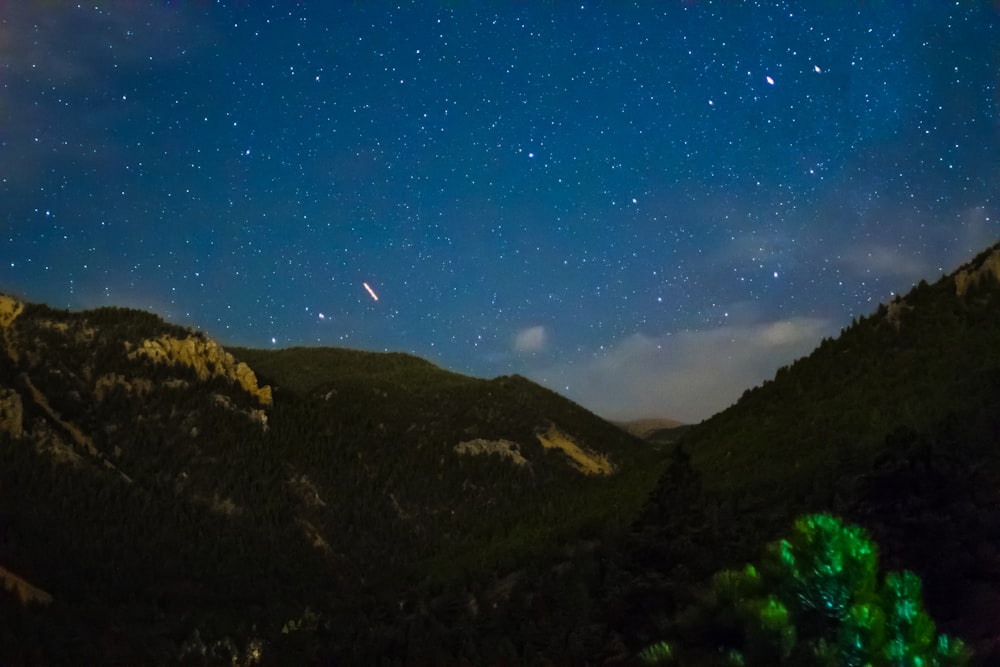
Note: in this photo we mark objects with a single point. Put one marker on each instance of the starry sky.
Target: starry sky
(647, 207)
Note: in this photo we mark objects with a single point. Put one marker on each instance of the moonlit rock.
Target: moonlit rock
(206, 358)
(969, 275)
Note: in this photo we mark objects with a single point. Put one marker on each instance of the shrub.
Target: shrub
(815, 600)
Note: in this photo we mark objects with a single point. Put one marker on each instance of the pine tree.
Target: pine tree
(816, 601)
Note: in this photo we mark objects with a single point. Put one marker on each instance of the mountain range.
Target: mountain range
(164, 500)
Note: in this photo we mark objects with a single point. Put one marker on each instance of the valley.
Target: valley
(302, 505)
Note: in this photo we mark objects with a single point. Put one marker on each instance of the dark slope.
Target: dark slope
(930, 356)
(923, 357)
(149, 484)
(403, 416)
(406, 394)
(894, 425)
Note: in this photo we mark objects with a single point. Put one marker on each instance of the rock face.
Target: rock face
(550, 437)
(11, 412)
(967, 277)
(895, 310)
(505, 448)
(10, 308)
(206, 357)
(258, 416)
(585, 461)
(22, 590)
(106, 383)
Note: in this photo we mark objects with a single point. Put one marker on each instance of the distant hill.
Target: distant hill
(644, 428)
(174, 499)
(894, 424)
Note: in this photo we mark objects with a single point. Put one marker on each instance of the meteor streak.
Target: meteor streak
(371, 291)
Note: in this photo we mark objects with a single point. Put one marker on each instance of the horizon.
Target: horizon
(778, 334)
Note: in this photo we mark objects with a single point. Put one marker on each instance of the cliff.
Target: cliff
(206, 358)
(985, 266)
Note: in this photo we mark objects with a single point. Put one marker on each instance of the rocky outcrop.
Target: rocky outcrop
(81, 439)
(106, 383)
(206, 358)
(967, 277)
(79, 331)
(314, 537)
(895, 310)
(49, 443)
(22, 590)
(505, 448)
(586, 461)
(10, 308)
(258, 416)
(306, 491)
(11, 412)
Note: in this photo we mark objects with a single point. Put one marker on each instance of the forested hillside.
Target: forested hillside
(895, 424)
(168, 499)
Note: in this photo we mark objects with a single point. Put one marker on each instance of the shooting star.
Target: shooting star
(371, 291)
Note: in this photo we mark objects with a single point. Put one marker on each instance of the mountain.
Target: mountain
(646, 428)
(162, 498)
(894, 425)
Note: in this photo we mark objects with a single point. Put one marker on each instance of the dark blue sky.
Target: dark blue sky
(648, 207)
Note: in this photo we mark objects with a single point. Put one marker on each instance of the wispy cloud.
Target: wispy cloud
(887, 261)
(81, 55)
(530, 339)
(54, 42)
(687, 376)
(976, 231)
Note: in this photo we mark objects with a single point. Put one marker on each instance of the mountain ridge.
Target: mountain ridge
(893, 425)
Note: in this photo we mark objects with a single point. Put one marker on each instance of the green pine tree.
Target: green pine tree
(815, 600)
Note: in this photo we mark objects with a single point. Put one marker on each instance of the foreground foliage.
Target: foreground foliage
(815, 600)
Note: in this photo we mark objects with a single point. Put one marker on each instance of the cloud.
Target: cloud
(531, 339)
(53, 42)
(49, 49)
(687, 376)
(890, 261)
(976, 231)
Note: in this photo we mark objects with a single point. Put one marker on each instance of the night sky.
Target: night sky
(648, 207)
